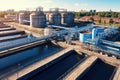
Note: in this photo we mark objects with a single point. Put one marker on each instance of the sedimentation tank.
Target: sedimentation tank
(68, 18)
(38, 19)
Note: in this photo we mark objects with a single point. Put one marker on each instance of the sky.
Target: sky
(70, 5)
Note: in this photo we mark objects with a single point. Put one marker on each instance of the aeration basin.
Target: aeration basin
(98, 71)
(56, 68)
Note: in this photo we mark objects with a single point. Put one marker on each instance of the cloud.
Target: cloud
(80, 4)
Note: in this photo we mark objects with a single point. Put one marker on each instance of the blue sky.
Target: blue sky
(74, 5)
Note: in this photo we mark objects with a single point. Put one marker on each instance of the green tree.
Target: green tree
(104, 22)
(118, 15)
(111, 21)
(88, 14)
(91, 19)
(99, 21)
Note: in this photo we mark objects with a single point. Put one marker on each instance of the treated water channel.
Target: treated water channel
(56, 68)
(98, 71)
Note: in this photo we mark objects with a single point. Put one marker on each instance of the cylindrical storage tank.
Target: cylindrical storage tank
(55, 18)
(48, 31)
(17, 17)
(47, 16)
(68, 18)
(38, 20)
(21, 18)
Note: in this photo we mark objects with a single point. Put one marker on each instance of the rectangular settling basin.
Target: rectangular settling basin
(41, 51)
(7, 29)
(98, 71)
(12, 32)
(13, 37)
(56, 68)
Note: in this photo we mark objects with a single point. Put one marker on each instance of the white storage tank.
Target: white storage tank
(24, 18)
(21, 18)
(55, 18)
(17, 17)
(68, 18)
(48, 31)
(38, 20)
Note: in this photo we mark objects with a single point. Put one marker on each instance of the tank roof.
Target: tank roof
(55, 14)
(37, 13)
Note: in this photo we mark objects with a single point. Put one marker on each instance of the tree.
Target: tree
(104, 22)
(99, 21)
(118, 15)
(91, 19)
(88, 14)
(115, 14)
(111, 21)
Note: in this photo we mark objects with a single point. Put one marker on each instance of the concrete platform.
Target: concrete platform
(117, 74)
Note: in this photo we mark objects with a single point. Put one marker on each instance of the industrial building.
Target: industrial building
(83, 36)
(13, 17)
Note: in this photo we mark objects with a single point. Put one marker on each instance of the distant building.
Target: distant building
(97, 18)
(10, 10)
(12, 17)
(83, 11)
